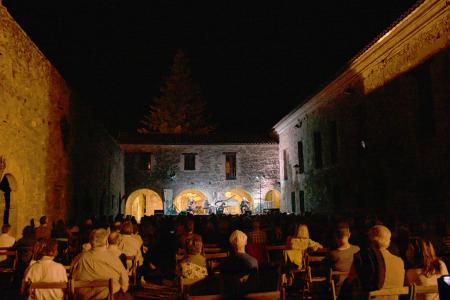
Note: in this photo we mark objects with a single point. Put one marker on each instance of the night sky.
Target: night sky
(253, 60)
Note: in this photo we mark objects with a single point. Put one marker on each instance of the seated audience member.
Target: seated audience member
(129, 245)
(188, 233)
(193, 266)
(426, 268)
(341, 258)
(44, 269)
(6, 241)
(375, 267)
(113, 243)
(298, 244)
(24, 247)
(43, 231)
(239, 262)
(100, 264)
(257, 240)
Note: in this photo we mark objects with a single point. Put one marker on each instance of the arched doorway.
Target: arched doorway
(272, 199)
(143, 202)
(233, 198)
(181, 201)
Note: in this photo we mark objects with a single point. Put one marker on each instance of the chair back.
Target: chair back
(392, 292)
(272, 295)
(65, 286)
(423, 290)
(204, 297)
(212, 249)
(76, 284)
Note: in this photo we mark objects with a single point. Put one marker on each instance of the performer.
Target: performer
(221, 208)
(190, 204)
(244, 205)
(207, 206)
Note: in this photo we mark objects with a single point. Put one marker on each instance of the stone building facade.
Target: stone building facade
(377, 137)
(40, 135)
(168, 170)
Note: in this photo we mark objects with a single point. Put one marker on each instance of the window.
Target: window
(318, 150)
(333, 142)
(189, 161)
(230, 166)
(285, 165)
(301, 195)
(293, 201)
(144, 161)
(301, 163)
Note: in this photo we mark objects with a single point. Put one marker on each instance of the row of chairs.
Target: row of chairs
(70, 287)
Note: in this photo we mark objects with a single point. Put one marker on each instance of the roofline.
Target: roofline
(420, 15)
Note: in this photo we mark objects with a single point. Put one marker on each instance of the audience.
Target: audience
(44, 269)
(374, 266)
(100, 264)
(424, 266)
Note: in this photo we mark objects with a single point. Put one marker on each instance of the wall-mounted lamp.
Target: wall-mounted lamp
(297, 169)
(299, 124)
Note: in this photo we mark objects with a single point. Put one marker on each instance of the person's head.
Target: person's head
(238, 240)
(194, 245)
(379, 236)
(302, 231)
(114, 238)
(45, 247)
(98, 238)
(342, 235)
(6, 228)
(28, 232)
(127, 228)
(43, 220)
(421, 254)
(189, 226)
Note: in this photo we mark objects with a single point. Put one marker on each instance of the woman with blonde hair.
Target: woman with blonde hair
(298, 244)
(425, 266)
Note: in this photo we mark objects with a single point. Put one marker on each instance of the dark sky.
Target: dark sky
(254, 60)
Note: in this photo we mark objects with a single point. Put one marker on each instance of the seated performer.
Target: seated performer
(244, 205)
(190, 205)
(221, 208)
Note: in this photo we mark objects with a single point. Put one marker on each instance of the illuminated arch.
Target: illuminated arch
(272, 199)
(180, 202)
(237, 195)
(143, 202)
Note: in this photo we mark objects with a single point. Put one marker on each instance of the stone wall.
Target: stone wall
(209, 176)
(60, 162)
(34, 100)
(390, 114)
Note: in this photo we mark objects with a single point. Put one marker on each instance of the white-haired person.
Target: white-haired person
(375, 267)
(44, 269)
(100, 264)
(239, 261)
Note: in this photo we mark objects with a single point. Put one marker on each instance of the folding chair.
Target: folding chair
(213, 259)
(133, 270)
(12, 258)
(76, 284)
(331, 282)
(392, 292)
(423, 290)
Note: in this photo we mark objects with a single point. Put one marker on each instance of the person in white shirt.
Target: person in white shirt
(425, 268)
(129, 245)
(6, 241)
(46, 270)
(100, 264)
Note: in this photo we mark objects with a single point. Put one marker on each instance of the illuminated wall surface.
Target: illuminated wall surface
(46, 141)
(377, 137)
(146, 167)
